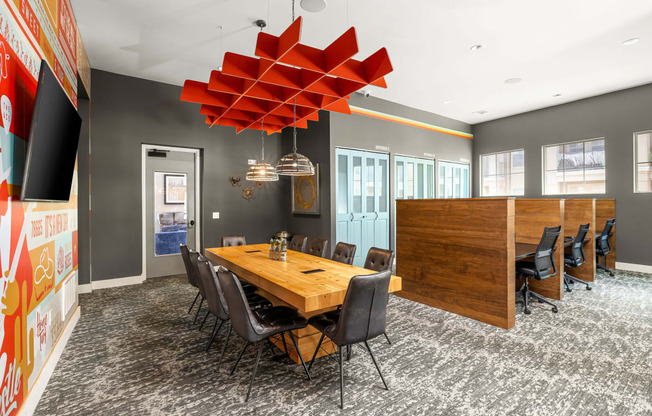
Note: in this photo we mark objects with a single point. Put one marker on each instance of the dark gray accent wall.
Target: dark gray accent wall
(83, 180)
(362, 132)
(615, 116)
(313, 143)
(128, 112)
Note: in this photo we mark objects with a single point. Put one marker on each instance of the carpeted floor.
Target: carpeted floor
(136, 352)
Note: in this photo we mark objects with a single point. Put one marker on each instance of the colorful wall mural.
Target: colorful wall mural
(38, 241)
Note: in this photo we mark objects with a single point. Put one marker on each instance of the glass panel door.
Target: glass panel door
(453, 180)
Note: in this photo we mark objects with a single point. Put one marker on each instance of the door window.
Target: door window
(170, 212)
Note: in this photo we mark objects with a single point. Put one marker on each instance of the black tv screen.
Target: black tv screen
(52, 144)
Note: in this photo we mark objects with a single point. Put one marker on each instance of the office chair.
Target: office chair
(362, 318)
(190, 272)
(543, 267)
(237, 240)
(344, 253)
(603, 246)
(576, 258)
(317, 247)
(379, 259)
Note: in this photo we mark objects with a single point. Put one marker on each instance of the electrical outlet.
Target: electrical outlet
(216, 215)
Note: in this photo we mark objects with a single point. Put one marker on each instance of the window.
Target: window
(643, 161)
(574, 168)
(503, 173)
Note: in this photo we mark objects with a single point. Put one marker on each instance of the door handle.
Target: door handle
(376, 216)
(351, 216)
(191, 223)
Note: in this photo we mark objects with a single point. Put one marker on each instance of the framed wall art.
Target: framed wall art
(305, 194)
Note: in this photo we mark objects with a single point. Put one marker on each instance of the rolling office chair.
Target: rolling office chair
(317, 247)
(257, 328)
(298, 243)
(576, 258)
(603, 245)
(344, 253)
(379, 259)
(190, 272)
(362, 318)
(543, 267)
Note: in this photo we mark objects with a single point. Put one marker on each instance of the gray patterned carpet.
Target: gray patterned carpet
(136, 352)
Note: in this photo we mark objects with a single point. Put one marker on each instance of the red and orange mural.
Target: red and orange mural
(38, 241)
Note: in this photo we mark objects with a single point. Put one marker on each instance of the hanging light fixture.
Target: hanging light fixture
(295, 164)
(261, 171)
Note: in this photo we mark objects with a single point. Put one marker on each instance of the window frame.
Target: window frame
(635, 161)
(583, 141)
(509, 175)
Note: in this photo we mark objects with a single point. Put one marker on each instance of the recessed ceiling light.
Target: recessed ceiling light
(513, 80)
(446, 102)
(556, 95)
(313, 6)
(480, 112)
(219, 69)
(476, 47)
(631, 41)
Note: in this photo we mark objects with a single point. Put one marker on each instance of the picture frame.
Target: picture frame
(175, 189)
(305, 194)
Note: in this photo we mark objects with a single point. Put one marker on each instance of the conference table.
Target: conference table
(308, 283)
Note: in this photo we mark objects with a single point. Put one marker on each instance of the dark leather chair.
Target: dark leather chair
(603, 245)
(344, 253)
(576, 258)
(543, 267)
(317, 247)
(255, 328)
(233, 240)
(362, 318)
(190, 272)
(217, 303)
(378, 260)
(298, 243)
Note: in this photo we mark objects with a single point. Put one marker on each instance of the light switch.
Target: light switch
(216, 215)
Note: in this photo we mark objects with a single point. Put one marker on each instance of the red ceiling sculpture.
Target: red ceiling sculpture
(248, 89)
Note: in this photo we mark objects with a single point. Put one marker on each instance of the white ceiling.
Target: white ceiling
(568, 47)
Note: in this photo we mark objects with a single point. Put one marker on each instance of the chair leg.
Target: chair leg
(341, 352)
(193, 302)
(376, 364)
(215, 332)
(526, 297)
(285, 345)
(387, 338)
(239, 358)
(573, 279)
(542, 299)
(204, 321)
(321, 339)
(219, 364)
(253, 375)
(349, 353)
(296, 347)
(198, 309)
(606, 269)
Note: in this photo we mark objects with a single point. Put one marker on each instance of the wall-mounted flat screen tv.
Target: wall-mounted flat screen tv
(52, 144)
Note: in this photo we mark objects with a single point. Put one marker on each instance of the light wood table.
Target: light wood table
(283, 283)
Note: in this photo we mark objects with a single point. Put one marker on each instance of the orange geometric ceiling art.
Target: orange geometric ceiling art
(248, 89)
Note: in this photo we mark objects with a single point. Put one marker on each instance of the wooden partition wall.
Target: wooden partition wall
(605, 209)
(577, 212)
(531, 217)
(458, 255)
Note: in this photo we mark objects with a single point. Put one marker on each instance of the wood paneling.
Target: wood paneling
(577, 212)
(458, 255)
(605, 209)
(284, 284)
(531, 217)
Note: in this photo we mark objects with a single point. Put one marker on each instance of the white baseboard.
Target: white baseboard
(30, 403)
(641, 268)
(87, 288)
(122, 281)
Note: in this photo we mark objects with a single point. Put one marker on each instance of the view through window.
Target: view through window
(574, 168)
(503, 173)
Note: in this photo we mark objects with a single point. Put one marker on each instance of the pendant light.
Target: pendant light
(295, 164)
(261, 171)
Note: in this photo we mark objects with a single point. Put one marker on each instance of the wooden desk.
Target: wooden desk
(525, 250)
(283, 283)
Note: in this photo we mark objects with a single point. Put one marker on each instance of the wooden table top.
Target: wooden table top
(285, 280)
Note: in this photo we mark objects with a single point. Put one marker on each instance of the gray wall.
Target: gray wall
(362, 132)
(128, 112)
(615, 116)
(83, 218)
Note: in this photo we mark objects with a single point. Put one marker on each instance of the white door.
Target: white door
(170, 209)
